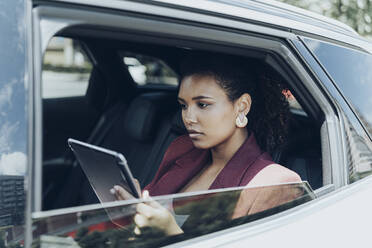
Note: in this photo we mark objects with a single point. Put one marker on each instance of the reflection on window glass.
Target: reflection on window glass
(14, 119)
(359, 154)
(196, 214)
(66, 69)
(351, 70)
(147, 70)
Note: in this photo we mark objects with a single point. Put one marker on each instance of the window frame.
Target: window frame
(45, 26)
(338, 146)
(346, 109)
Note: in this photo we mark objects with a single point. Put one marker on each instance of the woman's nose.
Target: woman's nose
(189, 116)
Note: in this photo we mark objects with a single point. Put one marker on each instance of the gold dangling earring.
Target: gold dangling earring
(244, 121)
(237, 121)
(241, 121)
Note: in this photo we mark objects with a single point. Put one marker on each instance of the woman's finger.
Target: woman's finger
(150, 201)
(145, 194)
(137, 230)
(121, 193)
(140, 220)
(145, 210)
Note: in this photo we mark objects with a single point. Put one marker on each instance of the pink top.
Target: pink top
(182, 161)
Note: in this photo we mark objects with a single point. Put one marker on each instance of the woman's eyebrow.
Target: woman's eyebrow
(195, 98)
(201, 97)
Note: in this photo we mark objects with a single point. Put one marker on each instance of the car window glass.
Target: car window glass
(196, 214)
(15, 83)
(66, 69)
(351, 70)
(146, 70)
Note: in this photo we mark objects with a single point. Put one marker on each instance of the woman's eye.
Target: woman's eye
(203, 105)
(183, 106)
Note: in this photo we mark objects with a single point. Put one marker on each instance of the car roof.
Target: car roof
(271, 8)
(279, 9)
(269, 13)
(277, 15)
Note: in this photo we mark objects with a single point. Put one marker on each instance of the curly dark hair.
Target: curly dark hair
(269, 114)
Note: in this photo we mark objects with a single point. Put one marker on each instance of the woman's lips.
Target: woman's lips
(194, 134)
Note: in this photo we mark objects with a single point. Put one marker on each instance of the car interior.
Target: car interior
(141, 120)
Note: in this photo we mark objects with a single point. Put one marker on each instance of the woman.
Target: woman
(231, 117)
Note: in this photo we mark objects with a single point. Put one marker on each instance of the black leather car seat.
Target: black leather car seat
(138, 135)
(170, 129)
(302, 153)
(130, 130)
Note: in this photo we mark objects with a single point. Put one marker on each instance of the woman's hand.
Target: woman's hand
(121, 194)
(152, 214)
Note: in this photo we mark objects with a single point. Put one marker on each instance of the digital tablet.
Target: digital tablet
(104, 169)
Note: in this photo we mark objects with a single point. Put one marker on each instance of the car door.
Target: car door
(271, 47)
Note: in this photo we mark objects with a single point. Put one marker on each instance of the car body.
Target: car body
(324, 64)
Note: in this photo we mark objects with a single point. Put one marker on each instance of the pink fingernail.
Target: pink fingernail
(146, 194)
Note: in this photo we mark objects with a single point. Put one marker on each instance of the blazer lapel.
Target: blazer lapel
(182, 172)
(233, 172)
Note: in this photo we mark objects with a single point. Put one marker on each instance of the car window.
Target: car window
(15, 86)
(66, 69)
(147, 70)
(141, 123)
(197, 214)
(351, 70)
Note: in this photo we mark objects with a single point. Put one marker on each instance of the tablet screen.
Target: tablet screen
(103, 168)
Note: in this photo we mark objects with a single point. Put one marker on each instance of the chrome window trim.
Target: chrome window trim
(324, 190)
(97, 206)
(345, 171)
(326, 159)
(37, 105)
(31, 135)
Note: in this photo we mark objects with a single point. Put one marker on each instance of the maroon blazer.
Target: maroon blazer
(182, 161)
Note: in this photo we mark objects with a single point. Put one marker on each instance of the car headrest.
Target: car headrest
(97, 90)
(145, 113)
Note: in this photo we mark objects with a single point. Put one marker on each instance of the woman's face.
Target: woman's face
(209, 116)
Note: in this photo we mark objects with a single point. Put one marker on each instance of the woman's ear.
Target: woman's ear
(244, 103)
